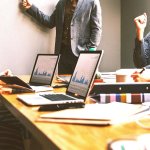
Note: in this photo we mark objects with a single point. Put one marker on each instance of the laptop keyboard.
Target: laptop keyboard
(57, 97)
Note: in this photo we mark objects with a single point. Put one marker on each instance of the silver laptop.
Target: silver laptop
(44, 69)
(41, 76)
(79, 84)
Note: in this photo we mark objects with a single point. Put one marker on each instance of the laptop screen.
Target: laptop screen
(44, 69)
(84, 73)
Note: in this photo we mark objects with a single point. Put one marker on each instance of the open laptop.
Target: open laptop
(79, 85)
(41, 76)
(43, 71)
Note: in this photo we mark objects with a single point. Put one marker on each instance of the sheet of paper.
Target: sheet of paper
(97, 113)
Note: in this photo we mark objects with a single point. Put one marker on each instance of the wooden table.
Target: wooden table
(67, 136)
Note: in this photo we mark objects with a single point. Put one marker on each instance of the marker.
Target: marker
(143, 69)
(92, 49)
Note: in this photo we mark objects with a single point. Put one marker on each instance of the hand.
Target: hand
(140, 22)
(137, 77)
(26, 4)
(4, 90)
(6, 72)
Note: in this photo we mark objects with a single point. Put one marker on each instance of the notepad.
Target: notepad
(97, 114)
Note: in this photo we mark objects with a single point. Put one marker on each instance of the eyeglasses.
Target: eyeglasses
(141, 142)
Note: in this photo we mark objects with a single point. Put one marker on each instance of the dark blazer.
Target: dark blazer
(86, 24)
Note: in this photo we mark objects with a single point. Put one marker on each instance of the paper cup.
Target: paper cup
(124, 75)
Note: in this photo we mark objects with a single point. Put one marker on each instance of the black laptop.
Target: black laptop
(79, 85)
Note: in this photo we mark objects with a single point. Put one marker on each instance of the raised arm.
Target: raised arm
(47, 21)
(141, 55)
(140, 22)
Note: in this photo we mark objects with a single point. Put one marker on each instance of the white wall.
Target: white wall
(21, 37)
(111, 36)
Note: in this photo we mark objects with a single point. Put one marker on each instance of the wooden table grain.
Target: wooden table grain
(68, 136)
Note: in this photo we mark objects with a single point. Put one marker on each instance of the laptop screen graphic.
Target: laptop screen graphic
(83, 73)
(43, 70)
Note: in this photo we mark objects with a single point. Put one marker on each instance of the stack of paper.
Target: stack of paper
(98, 114)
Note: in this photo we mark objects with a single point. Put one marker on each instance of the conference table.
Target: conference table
(68, 136)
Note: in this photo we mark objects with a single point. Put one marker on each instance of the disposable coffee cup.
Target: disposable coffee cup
(124, 75)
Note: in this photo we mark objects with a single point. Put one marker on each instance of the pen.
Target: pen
(143, 69)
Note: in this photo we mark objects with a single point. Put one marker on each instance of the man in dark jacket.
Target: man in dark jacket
(78, 28)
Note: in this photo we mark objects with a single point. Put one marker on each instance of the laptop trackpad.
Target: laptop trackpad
(33, 100)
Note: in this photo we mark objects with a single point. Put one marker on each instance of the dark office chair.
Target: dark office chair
(10, 139)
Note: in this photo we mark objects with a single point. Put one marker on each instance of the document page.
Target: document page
(110, 113)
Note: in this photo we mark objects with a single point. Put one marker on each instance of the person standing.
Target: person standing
(78, 28)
